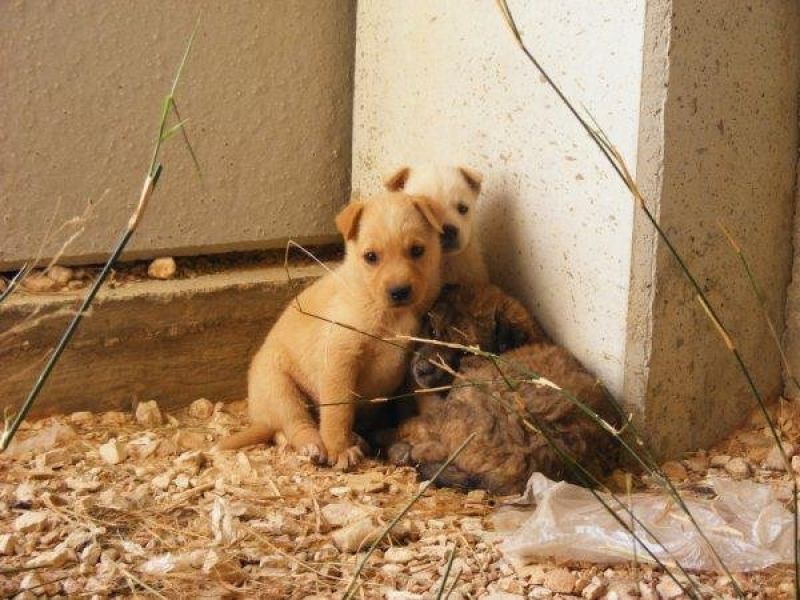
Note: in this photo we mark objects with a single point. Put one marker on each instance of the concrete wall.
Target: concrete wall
(718, 141)
(444, 81)
(267, 90)
(702, 98)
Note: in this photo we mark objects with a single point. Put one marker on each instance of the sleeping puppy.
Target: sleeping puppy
(456, 190)
(389, 278)
(507, 451)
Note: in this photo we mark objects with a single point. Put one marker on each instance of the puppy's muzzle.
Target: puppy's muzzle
(449, 238)
(400, 295)
(424, 372)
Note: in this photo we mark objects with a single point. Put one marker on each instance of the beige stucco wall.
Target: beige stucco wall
(444, 82)
(718, 140)
(701, 98)
(267, 90)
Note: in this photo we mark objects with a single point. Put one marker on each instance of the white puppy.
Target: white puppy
(456, 189)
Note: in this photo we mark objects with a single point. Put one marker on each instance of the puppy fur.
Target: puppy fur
(506, 452)
(387, 281)
(456, 190)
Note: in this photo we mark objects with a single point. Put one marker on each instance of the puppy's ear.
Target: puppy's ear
(473, 178)
(347, 220)
(397, 180)
(431, 210)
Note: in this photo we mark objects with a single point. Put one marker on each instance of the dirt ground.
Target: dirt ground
(121, 505)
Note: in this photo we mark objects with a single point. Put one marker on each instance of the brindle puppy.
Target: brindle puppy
(508, 447)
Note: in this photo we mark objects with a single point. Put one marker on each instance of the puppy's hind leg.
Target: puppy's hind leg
(276, 403)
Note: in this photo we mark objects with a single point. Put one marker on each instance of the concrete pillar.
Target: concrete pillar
(718, 141)
(701, 100)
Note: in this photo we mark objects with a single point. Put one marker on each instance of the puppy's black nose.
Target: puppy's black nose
(449, 237)
(400, 294)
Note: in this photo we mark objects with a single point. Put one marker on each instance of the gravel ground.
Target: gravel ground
(122, 505)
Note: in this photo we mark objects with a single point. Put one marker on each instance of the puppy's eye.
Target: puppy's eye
(417, 251)
(462, 208)
(371, 257)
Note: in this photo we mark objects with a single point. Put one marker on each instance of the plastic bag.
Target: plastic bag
(746, 523)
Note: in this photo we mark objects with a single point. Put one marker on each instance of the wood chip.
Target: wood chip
(148, 414)
(112, 452)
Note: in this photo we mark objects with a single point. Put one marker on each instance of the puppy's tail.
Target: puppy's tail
(255, 434)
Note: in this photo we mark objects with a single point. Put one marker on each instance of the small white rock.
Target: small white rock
(61, 275)
(82, 418)
(30, 581)
(112, 452)
(340, 492)
(339, 514)
(738, 468)
(162, 481)
(796, 464)
(774, 458)
(190, 462)
(720, 460)
(78, 484)
(534, 573)
(162, 268)
(25, 493)
(560, 580)
(38, 282)
(398, 555)
(148, 414)
(190, 440)
(56, 457)
(57, 557)
(8, 543)
(91, 554)
(511, 585)
(668, 589)
(393, 569)
(354, 536)
(33, 520)
(202, 408)
(595, 589)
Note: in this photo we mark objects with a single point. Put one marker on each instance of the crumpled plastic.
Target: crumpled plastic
(745, 522)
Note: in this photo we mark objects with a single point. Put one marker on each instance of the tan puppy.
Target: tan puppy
(387, 281)
(456, 190)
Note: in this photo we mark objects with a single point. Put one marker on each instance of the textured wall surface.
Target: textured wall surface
(268, 95)
(444, 82)
(718, 141)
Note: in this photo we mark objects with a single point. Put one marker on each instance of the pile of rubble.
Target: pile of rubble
(135, 505)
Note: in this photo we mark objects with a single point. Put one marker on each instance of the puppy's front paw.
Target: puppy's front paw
(315, 452)
(347, 459)
(400, 454)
